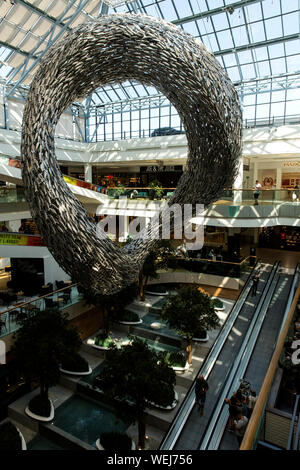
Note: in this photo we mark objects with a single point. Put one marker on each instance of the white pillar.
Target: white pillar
(88, 172)
(278, 177)
(255, 172)
(238, 184)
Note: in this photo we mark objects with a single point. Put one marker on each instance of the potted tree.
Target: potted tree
(10, 437)
(115, 441)
(111, 307)
(156, 190)
(134, 377)
(157, 259)
(41, 344)
(190, 313)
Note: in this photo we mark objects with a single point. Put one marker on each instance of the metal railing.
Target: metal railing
(253, 427)
(187, 405)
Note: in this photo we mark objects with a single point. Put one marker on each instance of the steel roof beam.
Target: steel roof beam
(214, 11)
(42, 13)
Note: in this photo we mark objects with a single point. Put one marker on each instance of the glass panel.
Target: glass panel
(220, 21)
(278, 66)
(225, 40)
(271, 8)
(273, 28)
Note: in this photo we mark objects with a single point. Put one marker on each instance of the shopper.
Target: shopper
(234, 411)
(201, 388)
(295, 195)
(240, 425)
(255, 280)
(251, 403)
(256, 191)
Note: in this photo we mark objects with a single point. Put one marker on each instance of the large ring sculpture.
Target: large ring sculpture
(113, 49)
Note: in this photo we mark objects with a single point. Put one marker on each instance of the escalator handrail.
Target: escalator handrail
(184, 410)
(243, 358)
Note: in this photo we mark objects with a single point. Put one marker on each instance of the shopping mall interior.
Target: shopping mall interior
(121, 152)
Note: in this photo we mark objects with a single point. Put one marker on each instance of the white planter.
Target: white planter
(76, 373)
(157, 325)
(41, 418)
(219, 309)
(202, 340)
(24, 446)
(99, 446)
(170, 407)
(131, 322)
(181, 369)
(156, 293)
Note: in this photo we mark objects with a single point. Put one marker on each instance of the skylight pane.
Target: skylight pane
(253, 12)
(291, 5)
(240, 36)
(257, 32)
(229, 60)
(276, 50)
(205, 26)
(271, 8)
(191, 28)
(264, 68)
(293, 63)
(248, 71)
(278, 66)
(234, 74)
(225, 40)
(277, 109)
(167, 10)
(220, 22)
(273, 28)
(183, 9)
(210, 42)
(245, 57)
(263, 97)
(291, 23)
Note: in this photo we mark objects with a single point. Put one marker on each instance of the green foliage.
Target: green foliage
(190, 312)
(113, 305)
(41, 344)
(129, 316)
(134, 373)
(75, 363)
(104, 341)
(156, 185)
(218, 303)
(10, 438)
(173, 359)
(115, 441)
(40, 405)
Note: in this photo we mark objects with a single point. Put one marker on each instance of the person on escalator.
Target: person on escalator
(240, 425)
(201, 388)
(255, 280)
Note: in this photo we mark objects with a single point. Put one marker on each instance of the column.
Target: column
(88, 172)
(255, 172)
(238, 184)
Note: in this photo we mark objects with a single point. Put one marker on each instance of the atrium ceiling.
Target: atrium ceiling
(256, 41)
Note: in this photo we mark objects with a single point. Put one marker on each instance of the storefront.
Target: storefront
(280, 237)
(140, 177)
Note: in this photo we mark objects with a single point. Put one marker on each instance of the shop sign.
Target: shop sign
(23, 240)
(291, 164)
(159, 169)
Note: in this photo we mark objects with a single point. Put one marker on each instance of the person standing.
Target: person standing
(251, 403)
(201, 388)
(256, 191)
(296, 193)
(255, 280)
(240, 425)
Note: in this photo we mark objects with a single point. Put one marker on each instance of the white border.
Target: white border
(131, 322)
(41, 418)
(170, 407)
(202, 340)
(99, 446)
(76, 373)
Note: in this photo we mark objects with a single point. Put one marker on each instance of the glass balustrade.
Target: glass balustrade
(17, 306)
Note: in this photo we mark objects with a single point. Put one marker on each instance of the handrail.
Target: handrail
(242, 360)
(21, 304)
(252, 331)
(266, 386)
(213, 260)
(184, 410)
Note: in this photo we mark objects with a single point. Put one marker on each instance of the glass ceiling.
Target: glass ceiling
(256, 41)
